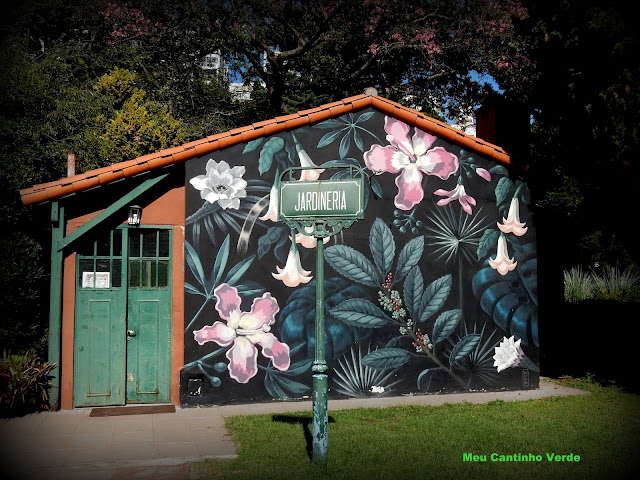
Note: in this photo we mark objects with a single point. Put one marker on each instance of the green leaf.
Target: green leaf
(386, 358)
(238, 270)
(270, 148)
(359, 312)
(193, 260)
(409, 257)
(413, 290)
(191, 289)
(428, 372)
(252, 145)
(446, 324)
(464, 347)
(487, 243)
(502, 189)
(329, 138)
(382, 245)
(352, 264)
(345, 144)
(221, 261)
(434, 297)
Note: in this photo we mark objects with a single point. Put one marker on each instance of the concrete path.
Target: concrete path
(71, 445)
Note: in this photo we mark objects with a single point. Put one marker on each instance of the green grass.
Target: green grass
(428, 442)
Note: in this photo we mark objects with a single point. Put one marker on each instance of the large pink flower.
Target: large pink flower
(411, 158)
(245, 330)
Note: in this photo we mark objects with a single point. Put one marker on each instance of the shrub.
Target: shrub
(616, 284)
(578, 285)
(24, 380)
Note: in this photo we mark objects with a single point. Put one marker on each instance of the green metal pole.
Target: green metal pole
(320, 432)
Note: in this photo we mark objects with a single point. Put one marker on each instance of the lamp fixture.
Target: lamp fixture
(135, 213)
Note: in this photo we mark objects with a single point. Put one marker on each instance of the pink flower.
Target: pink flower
(245, 330)
(292, 274)
(484, 173)
(459, 194)
(502, 263)
(410, 158)
(512, 223)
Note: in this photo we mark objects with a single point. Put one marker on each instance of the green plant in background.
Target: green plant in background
(611, 284)
(616, 284)
(24, 380)
(578, 285)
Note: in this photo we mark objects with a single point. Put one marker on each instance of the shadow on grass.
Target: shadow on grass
(305, 423)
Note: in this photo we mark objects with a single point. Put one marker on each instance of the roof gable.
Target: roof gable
(77, 183)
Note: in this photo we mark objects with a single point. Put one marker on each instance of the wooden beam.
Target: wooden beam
(55, 301)
(110, 210)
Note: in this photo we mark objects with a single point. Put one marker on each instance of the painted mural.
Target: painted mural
(435, 290)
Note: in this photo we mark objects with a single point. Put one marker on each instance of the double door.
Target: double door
(122, 341)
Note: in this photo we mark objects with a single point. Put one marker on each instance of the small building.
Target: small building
(172, 281)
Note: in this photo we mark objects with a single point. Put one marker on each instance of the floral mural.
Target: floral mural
(434, 290)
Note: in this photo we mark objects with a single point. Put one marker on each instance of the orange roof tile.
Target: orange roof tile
(77, 183)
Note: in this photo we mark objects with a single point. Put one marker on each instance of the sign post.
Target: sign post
(320, 209)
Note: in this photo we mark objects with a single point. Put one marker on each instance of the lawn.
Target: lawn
(602, 428)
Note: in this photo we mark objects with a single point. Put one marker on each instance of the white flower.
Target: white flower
(512, 223)
(272, 212)
(221, 184)
(292, 274)
(308, 241)
(508, 354)
(502, 263)
(375, 389)
(305, 161)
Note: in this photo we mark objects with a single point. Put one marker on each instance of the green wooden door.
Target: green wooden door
(149, 317)
(100, 328)
(122, 339)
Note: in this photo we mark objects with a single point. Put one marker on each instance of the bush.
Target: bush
(611, 284)
(24, 380)
(578, 285)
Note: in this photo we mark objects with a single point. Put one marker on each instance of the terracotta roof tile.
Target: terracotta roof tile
(52, 190)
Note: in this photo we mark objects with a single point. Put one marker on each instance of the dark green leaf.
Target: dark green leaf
(252, 145)
(445, 324)
(267, 153)
(352, 264)
(383, 247)
(386, 358)
(464, 347)
(413, 290)
(487, 243)
(359, 312)
(329, 138)
(434, 297)
(409, 257)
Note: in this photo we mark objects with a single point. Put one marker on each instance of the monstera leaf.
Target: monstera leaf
(512, 299)
(299, 315)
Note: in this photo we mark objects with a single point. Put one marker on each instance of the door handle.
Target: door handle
(130, 333)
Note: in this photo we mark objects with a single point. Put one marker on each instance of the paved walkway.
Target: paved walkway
(71, 445)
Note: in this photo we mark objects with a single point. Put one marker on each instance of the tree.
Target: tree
(586, 105)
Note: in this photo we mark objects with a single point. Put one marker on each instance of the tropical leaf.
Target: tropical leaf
(502, 189)
(426, 374)
(299, 314)
(409, 257)
(273, 145)
(193, 260)
(191, 289)
(331, 123)
(434, 297)
(238, 270)
(511, 299)
(329, 138)
(352, 264)
(365, 116)
(252, 145)
(488, 243)
(382, 245)
(221, 261)
(413, 290)
(445, 324)
(359, 312)
(387, 358)
(345, 144)
(464, 347)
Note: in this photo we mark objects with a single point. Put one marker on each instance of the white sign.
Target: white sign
(97, 280)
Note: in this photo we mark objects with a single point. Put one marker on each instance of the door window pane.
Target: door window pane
(149, 243)
(163, 243)
(116, 273)
(134, 273)
(134, 244)
(163, 273)
(117, 243)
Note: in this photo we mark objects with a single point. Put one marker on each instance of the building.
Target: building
(172, 281)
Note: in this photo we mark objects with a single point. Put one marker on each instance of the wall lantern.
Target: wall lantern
(135, 213)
